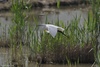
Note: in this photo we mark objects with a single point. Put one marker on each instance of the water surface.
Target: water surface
(65, 15)
(61, 65)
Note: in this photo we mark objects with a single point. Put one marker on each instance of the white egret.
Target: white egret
(52, 29)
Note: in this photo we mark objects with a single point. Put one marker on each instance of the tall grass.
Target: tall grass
(51, 49)
(17, 31)
(96, 15)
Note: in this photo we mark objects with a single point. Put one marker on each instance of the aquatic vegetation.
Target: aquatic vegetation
(96, 19)
(80, 38)
(17, 32)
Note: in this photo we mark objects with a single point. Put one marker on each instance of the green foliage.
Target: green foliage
(58, 3)
(42, 42)
(96, 20)
(77, 35)
(17, 30)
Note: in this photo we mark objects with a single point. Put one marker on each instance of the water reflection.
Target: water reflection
(5, 23)
(5, 56)
(65, 16)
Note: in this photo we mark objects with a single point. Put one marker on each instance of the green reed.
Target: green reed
(17, 31)
(96, 19)
(54, 49)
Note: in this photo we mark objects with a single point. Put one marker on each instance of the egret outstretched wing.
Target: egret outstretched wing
(52, 30)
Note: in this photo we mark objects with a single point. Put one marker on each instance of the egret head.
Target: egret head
(61, 29)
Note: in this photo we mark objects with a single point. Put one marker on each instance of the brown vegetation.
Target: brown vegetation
(63, 55)
(5, 6)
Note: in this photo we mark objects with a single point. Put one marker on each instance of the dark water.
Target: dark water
(61, 65)
(80, 65)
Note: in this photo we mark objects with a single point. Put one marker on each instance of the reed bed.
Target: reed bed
(80, 45)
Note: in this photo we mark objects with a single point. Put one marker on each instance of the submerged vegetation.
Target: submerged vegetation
(81, 45)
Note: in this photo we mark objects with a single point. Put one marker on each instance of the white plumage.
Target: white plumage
(52, 29)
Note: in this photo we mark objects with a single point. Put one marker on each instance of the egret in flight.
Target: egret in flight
(52, 29)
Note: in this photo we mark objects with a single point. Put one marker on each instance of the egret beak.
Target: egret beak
(63, 33)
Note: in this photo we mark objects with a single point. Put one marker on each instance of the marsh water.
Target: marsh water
(45, 15)
(65, 15)
(62, 65)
